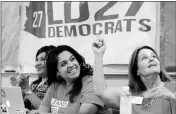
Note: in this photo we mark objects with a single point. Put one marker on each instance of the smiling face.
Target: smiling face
(68, 67)
(40, 63)
(148, 63)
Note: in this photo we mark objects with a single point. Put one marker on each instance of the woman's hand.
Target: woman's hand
(159, 91)
(23, 82)
(163, 91)
(99, 47)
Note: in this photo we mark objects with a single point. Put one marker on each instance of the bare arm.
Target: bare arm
(34, 99)
(110, 96)
(99, 83)
(87, 108)
(42, 110)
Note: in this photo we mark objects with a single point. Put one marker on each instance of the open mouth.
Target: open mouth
(152, 65)
(72, 69)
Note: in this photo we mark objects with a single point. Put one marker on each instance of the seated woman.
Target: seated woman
(71, 90)
(34, 93)
(147, 79)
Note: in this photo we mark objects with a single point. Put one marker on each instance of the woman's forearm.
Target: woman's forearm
(174, 96)
(34, 99)
(99, 83)
(88, 108)
(110, 96)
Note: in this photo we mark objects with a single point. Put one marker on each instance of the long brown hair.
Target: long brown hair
(135, 83)
(52, 62)
(45, 49)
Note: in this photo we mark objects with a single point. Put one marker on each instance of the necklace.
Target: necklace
(145, 106)
(154, 98)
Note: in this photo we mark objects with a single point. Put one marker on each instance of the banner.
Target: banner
(123, 25)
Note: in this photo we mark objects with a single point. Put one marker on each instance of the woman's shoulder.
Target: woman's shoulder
(171, 85)
(87, 79)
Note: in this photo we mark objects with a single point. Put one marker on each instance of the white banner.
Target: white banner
(123, 25)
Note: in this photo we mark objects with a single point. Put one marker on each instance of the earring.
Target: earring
(138, 74)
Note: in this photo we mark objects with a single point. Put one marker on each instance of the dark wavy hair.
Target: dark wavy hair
(45, 49)
(135, 83)
(52, 63)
